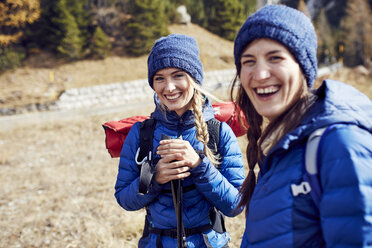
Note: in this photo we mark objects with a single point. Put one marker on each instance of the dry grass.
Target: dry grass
(58, 188)
(57, 178)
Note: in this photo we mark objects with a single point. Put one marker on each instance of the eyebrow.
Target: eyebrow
(269, 53)
(174, 72)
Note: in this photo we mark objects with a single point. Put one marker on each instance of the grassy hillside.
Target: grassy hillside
(43, 77)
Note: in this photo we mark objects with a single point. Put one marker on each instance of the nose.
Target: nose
(170, 86)
(261, 71)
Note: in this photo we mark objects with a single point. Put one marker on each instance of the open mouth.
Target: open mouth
(173, 96)
(267, 91)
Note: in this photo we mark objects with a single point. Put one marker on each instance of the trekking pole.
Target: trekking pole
(176, 187)
(180, 227)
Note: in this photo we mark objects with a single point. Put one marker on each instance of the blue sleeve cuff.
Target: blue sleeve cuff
(155, 187)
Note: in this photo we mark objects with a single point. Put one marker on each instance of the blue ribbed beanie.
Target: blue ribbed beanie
(286, 25)
(178, 51)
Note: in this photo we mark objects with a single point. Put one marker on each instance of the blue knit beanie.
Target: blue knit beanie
(286, 25)
(178, 51)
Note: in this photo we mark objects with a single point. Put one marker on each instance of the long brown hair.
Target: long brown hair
(257, 134)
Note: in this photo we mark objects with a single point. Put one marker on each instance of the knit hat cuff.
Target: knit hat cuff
(293, 43)
(173, 62)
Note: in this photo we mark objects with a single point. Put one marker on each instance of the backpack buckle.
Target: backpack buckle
(302, 188)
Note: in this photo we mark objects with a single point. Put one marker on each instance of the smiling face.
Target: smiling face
(271, 77)
(173, 89)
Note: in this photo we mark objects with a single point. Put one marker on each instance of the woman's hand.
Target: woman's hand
(167, 169)
(177, 157)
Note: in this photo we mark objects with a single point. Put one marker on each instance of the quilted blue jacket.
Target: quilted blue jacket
(213, 187)
(344, 219)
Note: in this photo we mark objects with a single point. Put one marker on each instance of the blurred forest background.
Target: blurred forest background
(94, 29)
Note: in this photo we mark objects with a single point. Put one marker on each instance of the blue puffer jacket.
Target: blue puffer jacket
(213, 187)
(278, 219)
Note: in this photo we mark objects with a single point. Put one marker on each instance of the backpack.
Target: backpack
(310, 181)
(117, 131)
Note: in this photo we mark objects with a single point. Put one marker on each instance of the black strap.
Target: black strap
(146, 167)
(217, 217)
(173, 232)
(214, 126)
(146, 137)
(217, 220)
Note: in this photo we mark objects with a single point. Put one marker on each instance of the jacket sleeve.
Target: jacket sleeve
(346, 178)
(221, 187)
(126, 187)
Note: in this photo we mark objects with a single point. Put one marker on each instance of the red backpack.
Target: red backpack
(117, 131)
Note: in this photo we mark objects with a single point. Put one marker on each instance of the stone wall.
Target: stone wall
(132, 92)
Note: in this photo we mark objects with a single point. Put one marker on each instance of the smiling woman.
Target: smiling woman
(174, 89)
(210, 182)
(275, 58)
(271, 77)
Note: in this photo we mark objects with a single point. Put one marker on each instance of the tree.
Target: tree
(14, 15)
(357, 33)
(224, 17)
(148, 22)
(83, 17)
(70, 43)
(326, 40)
(100, 44)
(249, 6)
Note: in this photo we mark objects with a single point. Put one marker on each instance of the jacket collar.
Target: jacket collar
(171, 120)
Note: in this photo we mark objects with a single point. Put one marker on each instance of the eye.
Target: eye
(248, 62)
(179, 75)
(275, 58)
(158, 78)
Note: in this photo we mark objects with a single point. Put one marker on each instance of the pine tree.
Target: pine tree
(100, 44)
(225, 17)
(326, 40)
(249, 6)
(70, 44)
(147, 24)
(357, 33)
(82, 16)
(14, 15)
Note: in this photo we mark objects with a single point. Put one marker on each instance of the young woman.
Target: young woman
(275, 58)
(209, 180)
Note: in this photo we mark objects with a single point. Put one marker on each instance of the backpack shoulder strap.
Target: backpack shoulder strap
(214, 126)
(216, 216)
(144, 155)
(147, 128)
(310, 181)
(311, 164)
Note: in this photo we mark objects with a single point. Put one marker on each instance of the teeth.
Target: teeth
(173, 97)
(267, 90)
